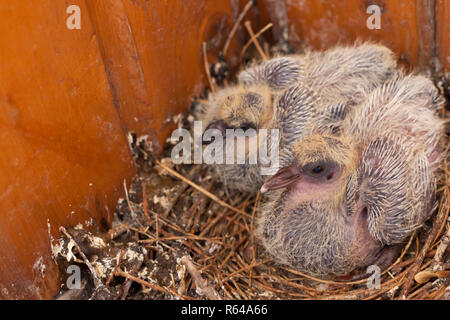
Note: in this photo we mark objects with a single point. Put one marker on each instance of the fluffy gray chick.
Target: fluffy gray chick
(345, 202)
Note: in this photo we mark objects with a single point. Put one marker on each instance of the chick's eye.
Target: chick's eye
(317, 169)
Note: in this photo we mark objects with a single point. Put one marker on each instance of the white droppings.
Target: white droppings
(163, 201)
(97, 242)
(39, 266)
(213, 248)
(78, 227)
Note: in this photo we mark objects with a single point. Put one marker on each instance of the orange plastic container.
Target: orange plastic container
(69, 96)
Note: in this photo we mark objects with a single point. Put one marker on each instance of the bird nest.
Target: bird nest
(179, 234)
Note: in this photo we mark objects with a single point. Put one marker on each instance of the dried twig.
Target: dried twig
(206, 65)
(235, 26)
(193, 237)
(119, 260)
(252, 235)
(443, 246)
(254, 40)
(156, 287)
(202, 287)
(97, 282)
(407, 262)
(415, 268)
(145, 203)
(202, 190)
(128, 282)
(444, 221)
(127, 198)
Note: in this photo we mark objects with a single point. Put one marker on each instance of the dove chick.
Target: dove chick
(346, 201)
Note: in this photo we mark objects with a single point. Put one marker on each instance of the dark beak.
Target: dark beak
(283, 178)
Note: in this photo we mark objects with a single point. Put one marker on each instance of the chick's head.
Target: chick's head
(319, 168)
(241, 107)
(239, 110)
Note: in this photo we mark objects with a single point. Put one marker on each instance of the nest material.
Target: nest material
(189, 238)
(178, 234)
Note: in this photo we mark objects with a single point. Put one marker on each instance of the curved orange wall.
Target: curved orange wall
(69, 97)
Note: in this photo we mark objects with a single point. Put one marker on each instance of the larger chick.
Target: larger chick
(343, 202)
(325, 84)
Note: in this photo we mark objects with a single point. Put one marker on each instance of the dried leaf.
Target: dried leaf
(426, 275)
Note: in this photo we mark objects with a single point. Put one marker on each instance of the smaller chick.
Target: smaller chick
(344, 202)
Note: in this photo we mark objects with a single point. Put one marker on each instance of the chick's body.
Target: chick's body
(295, 94)
(344, 200)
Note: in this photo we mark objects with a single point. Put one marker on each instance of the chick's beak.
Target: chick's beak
(283, 178)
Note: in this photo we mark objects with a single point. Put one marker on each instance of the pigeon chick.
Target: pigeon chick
(345, 202)
(323, 84)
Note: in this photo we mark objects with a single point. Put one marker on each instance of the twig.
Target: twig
(249, 42)
(117, 231)
(157, 227)
(235, 26)
(97, 281)
(202, 190)
(445, 242)
(407, 262)
(155, 287)
(440, 293)
(202, 287)
(444, 222)
(199, 207)
(268, 287)
(211, 224)
(308, 290)
(232, 251)
(241, 293)
(252, 236)
(427, 286)
(368, 293)
(266, 47)
(128, 282)
(322, 280)
(237, 272)
(128, 199)
(194, 237)
(145, 203)
(119, 260)
(180, 190)
(254, 40)
(206, 65)
(416, 266)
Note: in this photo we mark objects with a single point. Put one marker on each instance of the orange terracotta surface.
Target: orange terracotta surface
(63, 152)
(408, 27)
(68, 99)
(158, 68)
(322, 24)
(443, 32)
